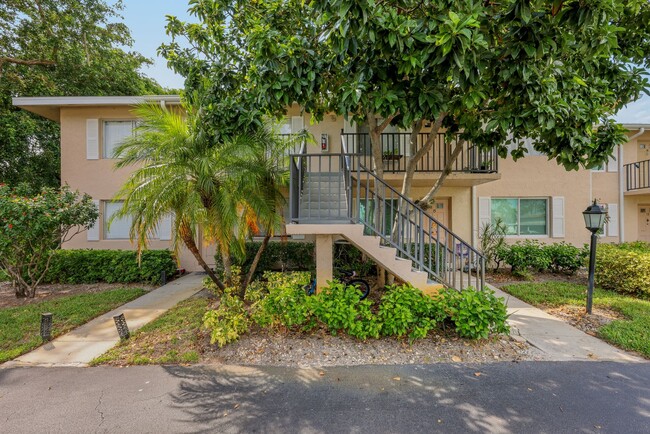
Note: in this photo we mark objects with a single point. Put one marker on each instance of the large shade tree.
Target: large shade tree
(492, 72)
(58, 48)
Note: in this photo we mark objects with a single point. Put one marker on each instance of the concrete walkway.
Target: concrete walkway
(557, 340)
(94, 338)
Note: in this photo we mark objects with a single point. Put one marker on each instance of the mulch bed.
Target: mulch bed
(48, 292)
(504, 277)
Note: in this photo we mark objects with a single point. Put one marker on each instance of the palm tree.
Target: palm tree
(179, 172)
(258, 163)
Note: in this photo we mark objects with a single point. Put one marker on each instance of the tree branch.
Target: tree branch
(27, 62)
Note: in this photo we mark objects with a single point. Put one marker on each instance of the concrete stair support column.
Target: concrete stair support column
(324, 260)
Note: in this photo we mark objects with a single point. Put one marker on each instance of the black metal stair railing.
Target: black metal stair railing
(395, 219)
(637, 175)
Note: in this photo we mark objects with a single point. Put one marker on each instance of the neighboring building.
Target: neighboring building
(536, 198)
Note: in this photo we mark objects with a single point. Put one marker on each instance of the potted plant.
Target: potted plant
(391, 155)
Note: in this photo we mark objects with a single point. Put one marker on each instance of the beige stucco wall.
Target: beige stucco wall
(98, 178)
(532, 176)
(536, 177)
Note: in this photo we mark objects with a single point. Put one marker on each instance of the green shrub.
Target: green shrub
(405, 310)
(228, 321)
(635, 246)
(525, 255)
(566, 258)
(111, 266)
(623, 268)
(338, 308)
(476, 314)
(286, 300)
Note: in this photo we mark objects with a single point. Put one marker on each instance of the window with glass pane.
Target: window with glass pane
(114, 134)
(507, 211)
(532, 216)
(522, 216)
(119, 228)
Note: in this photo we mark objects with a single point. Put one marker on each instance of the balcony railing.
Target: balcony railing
(395, 149)
(637, 175)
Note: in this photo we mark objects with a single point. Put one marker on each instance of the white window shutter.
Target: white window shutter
(484, 211)
(612, 226)
(612, 163)
(557, 226)
(165, 228)
(92, 139)
(297, 124)
(93, 232)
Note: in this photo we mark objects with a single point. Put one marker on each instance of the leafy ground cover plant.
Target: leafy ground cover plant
(402, 311)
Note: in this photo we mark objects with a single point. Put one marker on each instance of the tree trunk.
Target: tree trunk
(256, 260)
(426, 202)
(188, 239)
(375, 131)
(227, 266)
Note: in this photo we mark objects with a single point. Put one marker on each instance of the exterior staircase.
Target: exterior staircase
(385, 256)
(327, 197)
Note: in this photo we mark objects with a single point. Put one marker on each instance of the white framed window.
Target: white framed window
(119, 228)
(522, 216)
(114, 133)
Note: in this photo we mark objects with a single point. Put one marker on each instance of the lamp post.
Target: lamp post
(594, 220)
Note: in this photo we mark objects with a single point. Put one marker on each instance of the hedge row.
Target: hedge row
(111, 266)
(624, 268)
(529, 254)
(300, 256)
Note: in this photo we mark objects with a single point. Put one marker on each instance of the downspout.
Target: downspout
(474, 210)
(621, 195)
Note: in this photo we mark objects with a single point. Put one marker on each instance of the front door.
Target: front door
(440, 210)
(644, 223)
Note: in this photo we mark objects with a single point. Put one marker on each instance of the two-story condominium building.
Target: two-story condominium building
(333, 192)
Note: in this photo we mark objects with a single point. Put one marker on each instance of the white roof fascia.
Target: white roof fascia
(92, 100)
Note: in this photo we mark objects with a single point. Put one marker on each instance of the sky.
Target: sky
(146, 19)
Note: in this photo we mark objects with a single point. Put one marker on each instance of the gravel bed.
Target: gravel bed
(321, 349)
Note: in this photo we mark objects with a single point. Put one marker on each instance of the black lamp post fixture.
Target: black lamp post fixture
(594, 220)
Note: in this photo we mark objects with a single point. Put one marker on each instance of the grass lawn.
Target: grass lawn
(20, 326)
(171, 338)
(632, 333)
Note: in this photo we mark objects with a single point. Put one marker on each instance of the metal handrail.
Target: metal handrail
(395, 147)
(398, 221)
(637, 175)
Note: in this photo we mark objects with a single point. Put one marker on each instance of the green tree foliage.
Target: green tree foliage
(31, 228)
(495, 72)
(58, 48)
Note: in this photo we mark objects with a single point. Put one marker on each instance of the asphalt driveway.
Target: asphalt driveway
(529, 397)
